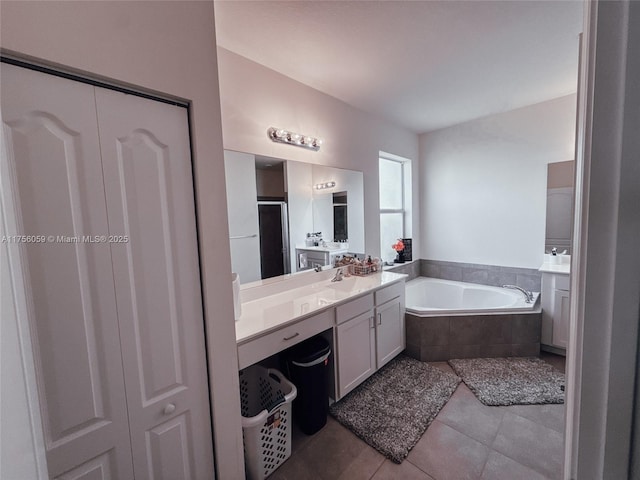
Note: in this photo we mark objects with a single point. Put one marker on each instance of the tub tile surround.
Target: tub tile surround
(436, 339)
(494, 275)
(412, 269)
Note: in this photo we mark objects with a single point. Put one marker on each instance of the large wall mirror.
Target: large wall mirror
(560, 193)
(276, 206)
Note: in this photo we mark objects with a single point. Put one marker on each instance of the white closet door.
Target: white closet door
(54, 162)
(149, 189)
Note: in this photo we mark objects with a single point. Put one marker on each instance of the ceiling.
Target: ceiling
(423, 65)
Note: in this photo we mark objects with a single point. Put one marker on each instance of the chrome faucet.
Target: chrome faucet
(318, 268)
(338, 276)
(528, 295)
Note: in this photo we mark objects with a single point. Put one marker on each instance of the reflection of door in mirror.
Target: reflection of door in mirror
(274, 239)
(560, 181)
(340, 229)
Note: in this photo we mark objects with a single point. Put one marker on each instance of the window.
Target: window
(395, 202)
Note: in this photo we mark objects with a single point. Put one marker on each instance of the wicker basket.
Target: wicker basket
(362, 270)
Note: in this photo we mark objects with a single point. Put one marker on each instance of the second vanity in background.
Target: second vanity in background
(312, 257)
(555, 304)
(362, 318)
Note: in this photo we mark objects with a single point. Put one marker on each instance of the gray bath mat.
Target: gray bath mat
(393, 408)
(511, 381)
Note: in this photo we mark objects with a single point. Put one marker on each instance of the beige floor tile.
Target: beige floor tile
(551, 416)
(499, 467)
(466, 414)
(363, 466)
(444, 366)
(295, 468)
(403, 471)
(446, 454)
(530, 444)
(299, 439)
(331, 451)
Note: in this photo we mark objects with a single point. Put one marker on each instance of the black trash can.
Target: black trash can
(307, 365)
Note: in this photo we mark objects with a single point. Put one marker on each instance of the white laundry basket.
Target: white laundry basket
(265, 397)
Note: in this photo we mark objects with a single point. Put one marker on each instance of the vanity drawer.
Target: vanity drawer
(274, 342)
(389, 293)
(354, 308)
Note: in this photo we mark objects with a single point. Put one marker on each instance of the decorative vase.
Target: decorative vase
(399, 257)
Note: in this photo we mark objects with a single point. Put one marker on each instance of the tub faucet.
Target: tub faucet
(318, 268)
(338, 276)
(528, 295)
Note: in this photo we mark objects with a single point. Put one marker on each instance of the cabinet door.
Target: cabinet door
(561, 318)
(55, 172)
(390, 338)
(356, 351)
(150, 207)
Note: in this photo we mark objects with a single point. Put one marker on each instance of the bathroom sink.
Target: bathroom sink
(329, 296)
(349, 284)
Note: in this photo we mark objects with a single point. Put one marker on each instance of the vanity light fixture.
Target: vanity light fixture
(322, 186)
(283, 136)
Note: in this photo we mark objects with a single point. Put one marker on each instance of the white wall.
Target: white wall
(255, 98)
(270, 183)
(166, 47)
(483, 184)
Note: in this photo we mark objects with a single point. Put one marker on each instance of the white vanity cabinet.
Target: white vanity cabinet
(390, 337)
(361, 317)
(283, 338)
(356, 337)
(555, 310)
(370, 333)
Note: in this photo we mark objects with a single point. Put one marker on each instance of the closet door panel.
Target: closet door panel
(99, 468)
(50, 130)
(149, 188)
(145, 195)
(166, 462)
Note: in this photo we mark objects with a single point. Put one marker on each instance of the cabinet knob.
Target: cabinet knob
(169, 409)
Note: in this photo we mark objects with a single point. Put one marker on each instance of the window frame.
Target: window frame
(405, 163)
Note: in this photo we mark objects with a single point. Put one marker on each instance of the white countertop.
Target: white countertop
(271, 312)
(562, 268)
(324, 249)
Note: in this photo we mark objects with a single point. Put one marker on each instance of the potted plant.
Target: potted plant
(399, 248)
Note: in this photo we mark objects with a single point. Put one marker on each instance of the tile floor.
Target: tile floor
(467, 440)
